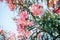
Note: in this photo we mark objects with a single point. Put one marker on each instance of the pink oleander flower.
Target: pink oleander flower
(22, 32)
(27, 33)
(11, 6)
(22, 21)
(20, 26)
(41, 11)
(57, 11)
(36, 9)
(30, 23)
(24, 14)
(22, 18)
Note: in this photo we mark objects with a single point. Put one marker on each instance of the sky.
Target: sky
(6, 18)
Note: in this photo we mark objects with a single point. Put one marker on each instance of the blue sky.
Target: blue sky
(6, 21)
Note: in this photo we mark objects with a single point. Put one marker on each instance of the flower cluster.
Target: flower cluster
(36, 9)
(23, 22)
(22, 19)
(11, 5)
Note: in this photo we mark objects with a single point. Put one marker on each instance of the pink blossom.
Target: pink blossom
(21, 31)
(58, 11)
(36, 9)
(41, 11)
(11, 6)
(30, 23)
(24, 14)
(20, 26)
(22, 18)
(27, 33)
(22, 21)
